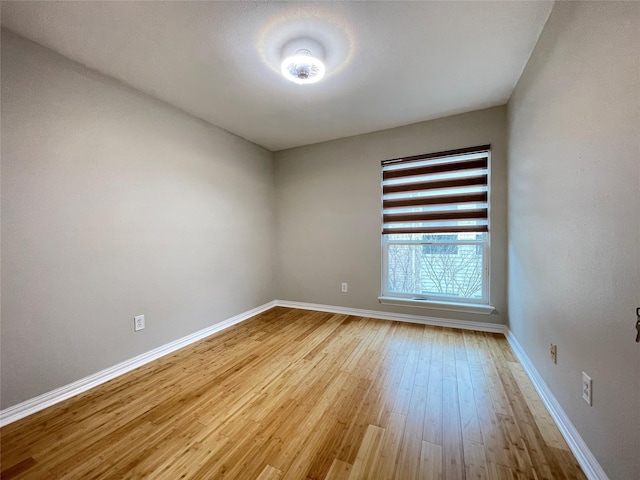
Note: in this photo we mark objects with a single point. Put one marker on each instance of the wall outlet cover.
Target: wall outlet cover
(138, 323)
(587, 386)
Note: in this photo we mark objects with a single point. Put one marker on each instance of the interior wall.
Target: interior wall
(328, 200)
(574, 220)
(115, 204)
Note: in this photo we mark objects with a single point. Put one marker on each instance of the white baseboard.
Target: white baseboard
(33, 405)
(400, 317)
(587, 461)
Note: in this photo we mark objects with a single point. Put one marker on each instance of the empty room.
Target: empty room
(320, 240)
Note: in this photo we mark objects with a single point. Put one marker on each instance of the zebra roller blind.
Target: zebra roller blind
(444, 192)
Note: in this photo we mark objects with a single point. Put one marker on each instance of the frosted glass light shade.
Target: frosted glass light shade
(302, 69)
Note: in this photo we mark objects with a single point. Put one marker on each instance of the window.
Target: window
(435, 226)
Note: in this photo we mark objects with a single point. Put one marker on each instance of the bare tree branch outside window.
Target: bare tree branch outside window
(439, 270)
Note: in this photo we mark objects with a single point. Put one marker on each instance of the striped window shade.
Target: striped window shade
(445, 192)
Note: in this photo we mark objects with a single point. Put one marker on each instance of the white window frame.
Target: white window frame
(420, 297)
(441, 302)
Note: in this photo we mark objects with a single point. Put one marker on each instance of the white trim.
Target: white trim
(587, 461)
(33, 405)
(399, 317)
(437, 305)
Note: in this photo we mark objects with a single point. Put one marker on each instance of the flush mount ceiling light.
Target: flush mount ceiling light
(302, 62)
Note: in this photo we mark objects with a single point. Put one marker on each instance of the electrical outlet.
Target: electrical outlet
(587, 386)
(138, 323)
(345, 287)
(553, 352)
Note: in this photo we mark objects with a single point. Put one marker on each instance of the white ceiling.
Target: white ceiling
(388, 63)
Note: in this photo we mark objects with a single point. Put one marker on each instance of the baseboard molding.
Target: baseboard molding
(21, 410)
(399, 317)
(587, 461)
(33, 405)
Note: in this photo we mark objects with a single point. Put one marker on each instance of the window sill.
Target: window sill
(438, 305)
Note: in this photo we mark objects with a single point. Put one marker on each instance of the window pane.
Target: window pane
(437, 237)
(436, 270)
(432, 249)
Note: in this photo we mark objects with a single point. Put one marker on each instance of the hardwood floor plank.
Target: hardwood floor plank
(433, 424)
(339, 470)
(269, 473)
(566, 465)
(500, 472)
(363, 467)
(390, 447)
(430, 461)
(520, 459)
(540, 455)
(18, 468)
(541, 415)
(298, 394)
(468, 414)
(424, 361)
(366, 407)
(409, 458)
(453, 457)
(340, 414)
(401, 404)
(475, 462)
(319, 429)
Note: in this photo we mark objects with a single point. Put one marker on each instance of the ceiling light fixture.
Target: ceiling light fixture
(302, 67)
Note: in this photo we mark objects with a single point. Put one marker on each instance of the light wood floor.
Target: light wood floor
(295, 394)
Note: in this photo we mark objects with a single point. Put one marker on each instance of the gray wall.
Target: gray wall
(328, 211)
(115, 204)
(574, 220)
